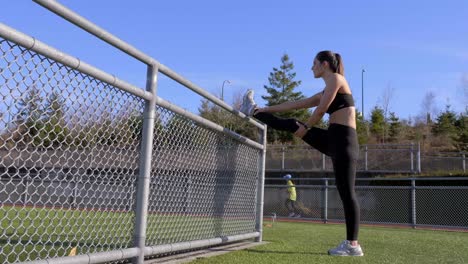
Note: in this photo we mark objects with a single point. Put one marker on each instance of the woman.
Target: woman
(339, 141)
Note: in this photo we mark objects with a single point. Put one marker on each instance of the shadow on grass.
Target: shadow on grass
(285, 252)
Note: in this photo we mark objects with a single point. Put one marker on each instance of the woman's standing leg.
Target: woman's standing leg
(345, 175)
(345, 150)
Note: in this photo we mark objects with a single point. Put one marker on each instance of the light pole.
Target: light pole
(222, 88)
(362, 91)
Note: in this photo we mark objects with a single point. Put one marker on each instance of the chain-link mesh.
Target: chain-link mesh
(443, 206)
(68, 157)
(309, 204)
(297, 158)
(202, 184)
(403, 204)
(371, 158)
(69, 162)
(446, 162)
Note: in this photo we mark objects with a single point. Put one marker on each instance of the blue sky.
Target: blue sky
(409, 47)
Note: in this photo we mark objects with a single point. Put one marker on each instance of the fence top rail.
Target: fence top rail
(379, 179)
(104, 35)
(369, 146)
(35, 45)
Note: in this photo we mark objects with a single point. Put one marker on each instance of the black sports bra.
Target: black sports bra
(341, 101)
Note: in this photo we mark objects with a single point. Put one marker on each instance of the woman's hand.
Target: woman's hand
(301, 131)
(259, 110)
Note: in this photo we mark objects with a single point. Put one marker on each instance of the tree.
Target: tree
(428, 107)
(281, 89)
(464, 87)
(461, 140)
(361, 129)
(55, 131)
(386, 99)
(395, 127)
(29, 118)
(222, 117)
(377, 126)
(445, 123)
(445, 128)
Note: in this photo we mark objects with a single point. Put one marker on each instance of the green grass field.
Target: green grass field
(309, 242)
(39, 233)
(31, 233)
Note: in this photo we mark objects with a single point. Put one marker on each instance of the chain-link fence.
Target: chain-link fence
(414, 202)
(391, 158)
(445, 162)
(372, 158)
(94, 167)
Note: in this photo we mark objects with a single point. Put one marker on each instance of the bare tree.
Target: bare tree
(387, 97)
(464, 87)
(428, 107)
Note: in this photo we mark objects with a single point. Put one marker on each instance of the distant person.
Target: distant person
(291, 203)
(339, 141)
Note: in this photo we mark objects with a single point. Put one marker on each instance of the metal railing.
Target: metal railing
(94, 169)
(404, 158)
(415, 202)
(444, 161)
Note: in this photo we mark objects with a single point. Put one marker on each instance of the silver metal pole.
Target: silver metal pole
(323, 162)
(412, 157)
(325, 202)
(261, 186)
(464, 162)
(282, 158)
(362, 92)
(418, 158)
(365, 158)
(222, 89)
(413, 203)
(144, 177)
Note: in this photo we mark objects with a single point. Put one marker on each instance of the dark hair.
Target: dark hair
(333, 59)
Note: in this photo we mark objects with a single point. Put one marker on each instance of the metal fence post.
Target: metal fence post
(325, 202)
(144, 177)
(412, 157)
(463, 162)
(282, 158)
(323, 162)
(26, 188)
(261, 186)
(418, 158)
(413, 203)
(365, 157)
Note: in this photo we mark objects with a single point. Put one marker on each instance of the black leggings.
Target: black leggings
(340, 143)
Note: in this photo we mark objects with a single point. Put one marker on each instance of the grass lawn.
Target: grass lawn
(309, 242)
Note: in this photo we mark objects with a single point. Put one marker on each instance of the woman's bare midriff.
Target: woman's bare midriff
(345, 116)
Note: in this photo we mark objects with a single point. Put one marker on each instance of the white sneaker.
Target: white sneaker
(297, 216)
(291, 214)
(345, 249)
(248, 103)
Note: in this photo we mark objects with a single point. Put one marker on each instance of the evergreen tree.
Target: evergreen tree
(445, 129)
(29, 119)
(445, 123)
(377, 126)
(55, 131)
(395, 128)
(361, 129)
(281, 89)
(461, 140)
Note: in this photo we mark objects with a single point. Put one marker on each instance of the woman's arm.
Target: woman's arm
(326, 99)
(299, 104)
